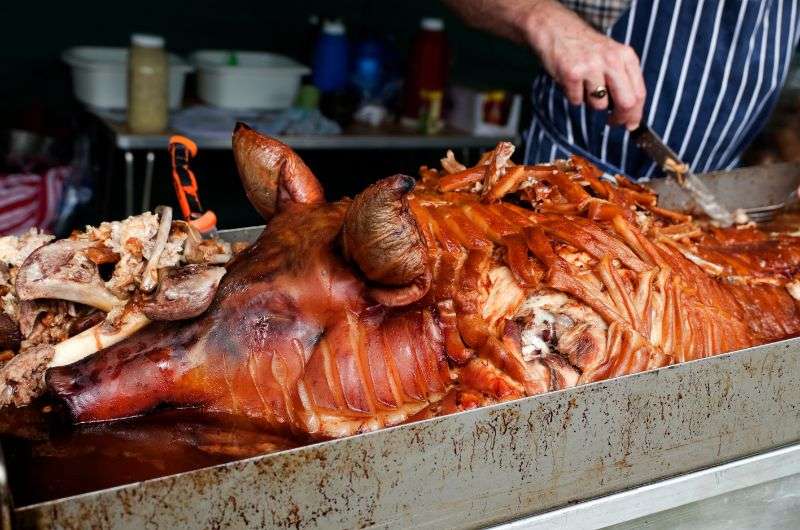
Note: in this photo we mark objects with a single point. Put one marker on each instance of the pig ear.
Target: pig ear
(382, 237)
(273, 175)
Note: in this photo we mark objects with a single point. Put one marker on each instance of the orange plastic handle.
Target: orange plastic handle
(205, 223)
(184, 190)
(190, 145)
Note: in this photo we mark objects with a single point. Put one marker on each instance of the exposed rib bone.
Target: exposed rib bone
(61, 270)
(150, 274)
(96, 338)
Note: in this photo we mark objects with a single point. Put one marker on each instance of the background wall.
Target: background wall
(35, 90)
(35, 33)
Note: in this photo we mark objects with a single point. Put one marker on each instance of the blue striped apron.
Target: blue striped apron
(713, 71)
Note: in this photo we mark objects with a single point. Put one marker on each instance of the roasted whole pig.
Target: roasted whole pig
(472, 286)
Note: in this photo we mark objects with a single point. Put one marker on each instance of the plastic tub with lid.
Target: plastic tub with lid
(237, 79)
(100, 76)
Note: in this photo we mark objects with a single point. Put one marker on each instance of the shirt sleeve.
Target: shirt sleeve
(601, 14)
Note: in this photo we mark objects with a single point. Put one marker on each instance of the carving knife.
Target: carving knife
(649, 142)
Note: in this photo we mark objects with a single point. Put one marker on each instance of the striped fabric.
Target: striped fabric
(30, 200)
(599, 13)
(713, 70)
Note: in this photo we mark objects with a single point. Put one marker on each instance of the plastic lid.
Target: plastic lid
(333, 27)
(432, 24)
(147, 41)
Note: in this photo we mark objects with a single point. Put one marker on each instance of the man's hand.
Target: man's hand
(581, 59)
(577, 56)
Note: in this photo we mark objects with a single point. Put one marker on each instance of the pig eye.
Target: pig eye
(267, 322)
(268, 314)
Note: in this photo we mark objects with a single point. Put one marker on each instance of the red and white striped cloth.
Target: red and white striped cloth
(30, 199)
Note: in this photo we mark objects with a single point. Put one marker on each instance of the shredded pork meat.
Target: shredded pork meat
(31, 327)
(22, 377)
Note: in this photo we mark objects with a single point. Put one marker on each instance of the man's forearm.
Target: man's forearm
(505, 18)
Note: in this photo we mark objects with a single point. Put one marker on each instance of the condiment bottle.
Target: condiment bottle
(427, 72)
(147, 84)
(330, 67)
(368, 68)
(495, 109)
(430, 114)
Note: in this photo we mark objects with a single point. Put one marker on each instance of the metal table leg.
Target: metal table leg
(148, 181)
(128, 183)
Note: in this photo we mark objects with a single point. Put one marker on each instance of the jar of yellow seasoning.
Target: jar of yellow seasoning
(147, 84)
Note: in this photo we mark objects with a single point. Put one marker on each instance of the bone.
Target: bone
(272, 174)
(381, 236)
(61, 270)
(183, 292)
(150, 274)
(96, 338)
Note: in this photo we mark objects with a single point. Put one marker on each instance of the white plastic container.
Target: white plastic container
(467, 113)
(100, 76)
(237, 79)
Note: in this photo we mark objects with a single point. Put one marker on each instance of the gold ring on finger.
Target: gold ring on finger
(599, 92)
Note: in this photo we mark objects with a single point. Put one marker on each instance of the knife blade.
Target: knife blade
(648, 141)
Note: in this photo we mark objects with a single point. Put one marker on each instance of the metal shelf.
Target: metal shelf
(391, 137)
(355, 137)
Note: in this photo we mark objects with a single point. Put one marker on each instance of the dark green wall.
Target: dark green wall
(34, 34)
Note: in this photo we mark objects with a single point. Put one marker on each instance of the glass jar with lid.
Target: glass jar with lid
(147, 84)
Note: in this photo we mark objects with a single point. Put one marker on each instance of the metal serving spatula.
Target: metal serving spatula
(649, 142)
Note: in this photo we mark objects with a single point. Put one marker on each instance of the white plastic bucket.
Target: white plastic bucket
(100, 76)
(256, 80)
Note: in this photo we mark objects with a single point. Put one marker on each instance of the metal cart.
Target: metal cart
(709, 442)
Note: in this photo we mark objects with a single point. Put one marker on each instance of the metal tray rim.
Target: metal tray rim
(721, 358)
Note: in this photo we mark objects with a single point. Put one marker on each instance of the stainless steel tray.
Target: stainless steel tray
(741, 188)
(488, 465)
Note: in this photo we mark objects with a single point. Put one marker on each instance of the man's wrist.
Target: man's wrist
(531, 22)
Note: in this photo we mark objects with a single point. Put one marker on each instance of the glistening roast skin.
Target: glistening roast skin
(476, 285)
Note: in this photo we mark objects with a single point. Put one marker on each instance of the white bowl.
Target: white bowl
(258, 80)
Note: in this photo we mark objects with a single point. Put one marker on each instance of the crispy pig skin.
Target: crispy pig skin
(290, 340)
(475, 290)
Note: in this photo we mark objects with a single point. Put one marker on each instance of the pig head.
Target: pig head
(313, 329)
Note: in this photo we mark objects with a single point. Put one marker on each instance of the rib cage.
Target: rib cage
(649, 283)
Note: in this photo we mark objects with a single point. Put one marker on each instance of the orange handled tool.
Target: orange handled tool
(181, 151)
